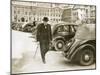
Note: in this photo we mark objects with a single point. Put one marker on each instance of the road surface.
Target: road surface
(25, 58)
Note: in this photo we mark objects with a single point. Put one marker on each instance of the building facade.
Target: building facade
(33, 12)
(80, 14)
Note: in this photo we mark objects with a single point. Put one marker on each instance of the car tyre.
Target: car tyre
(86, 56)
(59, 45)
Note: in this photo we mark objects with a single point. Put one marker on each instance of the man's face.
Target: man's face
(45, 22)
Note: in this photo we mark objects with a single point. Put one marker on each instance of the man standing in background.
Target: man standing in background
(44, 37)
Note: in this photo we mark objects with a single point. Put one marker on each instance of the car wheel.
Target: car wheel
(86, 57)
(59, 45)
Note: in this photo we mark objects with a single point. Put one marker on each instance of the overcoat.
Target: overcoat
(44, 36)
(44, 32)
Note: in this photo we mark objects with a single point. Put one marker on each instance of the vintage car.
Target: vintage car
(63, 32)
(27, 27)
(17, 26)
(82, 48)
(30, 27)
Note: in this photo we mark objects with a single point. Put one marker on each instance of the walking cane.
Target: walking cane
(36, 51)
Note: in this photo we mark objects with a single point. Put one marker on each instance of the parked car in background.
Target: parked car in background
(24, 26)
(30, 27)
(17, 26)
(82, 48)
(27, 27)
(63, 32)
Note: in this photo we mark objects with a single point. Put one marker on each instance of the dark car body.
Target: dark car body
(28, 27)
(82, 48)
(63, 32)
(17, 26)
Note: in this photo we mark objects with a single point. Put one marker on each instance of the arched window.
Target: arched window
(18, 20)
(14, 12)
(23, 19)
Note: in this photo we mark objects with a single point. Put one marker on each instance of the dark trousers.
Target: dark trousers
(44, 47)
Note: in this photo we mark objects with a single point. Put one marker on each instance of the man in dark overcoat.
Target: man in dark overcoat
(44, 37)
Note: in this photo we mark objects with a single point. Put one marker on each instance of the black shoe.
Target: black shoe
(44, 61)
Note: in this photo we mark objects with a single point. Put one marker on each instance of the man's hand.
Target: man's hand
(50, 45)
(38, 42)
(35, 41)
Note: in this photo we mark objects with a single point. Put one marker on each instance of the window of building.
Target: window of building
(33, 13)
(34, 18)
(59, 15)
(29, 18)
(44, 14)
(47, 14)
(56, 10)
(54, 19)
(18, 12)
(40, 13)
(40, 19)
(37, 19)
(57, 20)
(86, 10)
(48, 10)
(56, 15)
(29, 13)
(25, 13)
(26, 20)
(18, 20)
(14, 12)
(15, 17)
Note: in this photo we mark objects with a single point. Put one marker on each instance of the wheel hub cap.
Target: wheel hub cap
(60, 45)
(86, 57)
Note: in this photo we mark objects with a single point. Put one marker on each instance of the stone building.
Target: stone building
(33, 11)
(80, 14)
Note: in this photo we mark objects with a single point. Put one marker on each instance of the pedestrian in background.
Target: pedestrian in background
(44, 37)
(34, 28)
(34, 23)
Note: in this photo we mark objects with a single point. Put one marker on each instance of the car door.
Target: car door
(71, 32)
(68, 30)
(63, 30)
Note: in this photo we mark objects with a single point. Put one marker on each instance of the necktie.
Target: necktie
(45, 26)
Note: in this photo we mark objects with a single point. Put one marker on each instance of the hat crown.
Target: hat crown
(45, 19)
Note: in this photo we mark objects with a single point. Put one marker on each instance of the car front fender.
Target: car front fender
(80, 48)
(58, 37)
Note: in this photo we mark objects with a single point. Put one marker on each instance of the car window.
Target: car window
(60, 29)
(72, 29)
(75, 28)
(66, 28)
